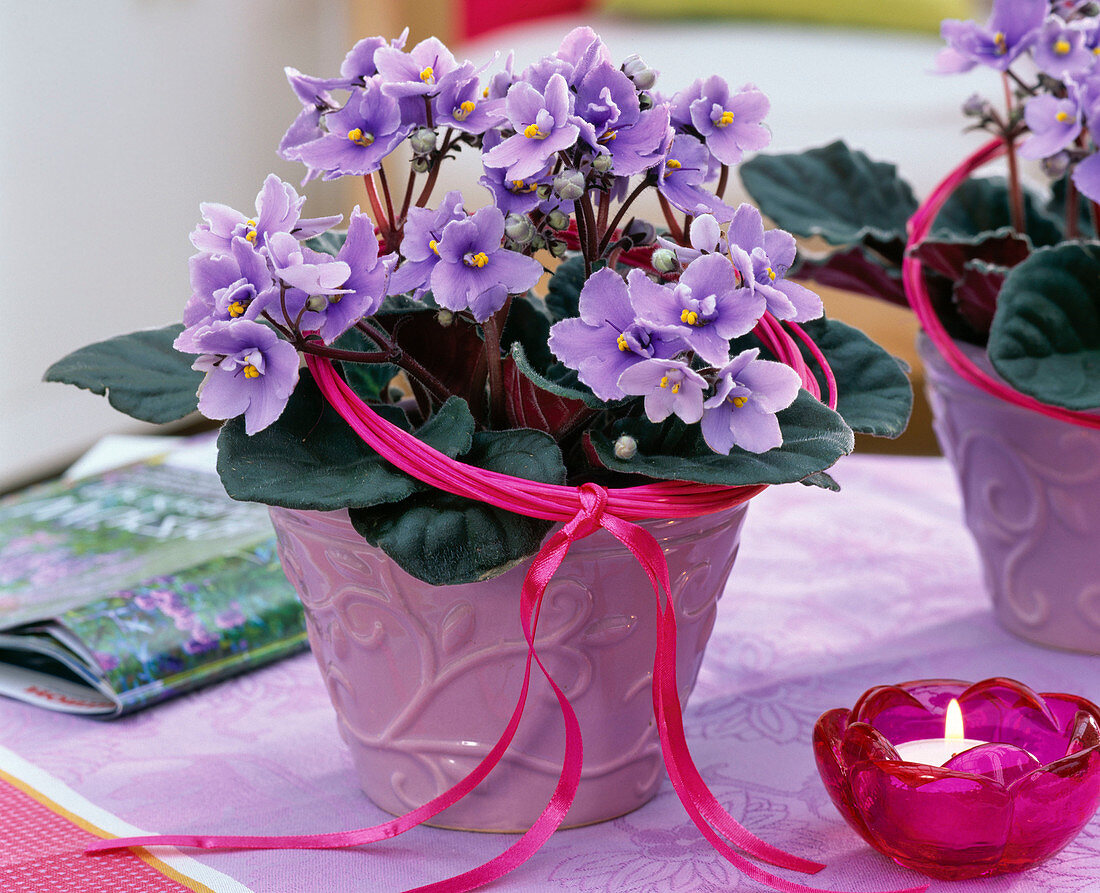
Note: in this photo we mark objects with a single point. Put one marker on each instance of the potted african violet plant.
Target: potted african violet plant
(1006, 284)
(473, 376)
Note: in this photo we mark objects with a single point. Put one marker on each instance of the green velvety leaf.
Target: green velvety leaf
(565, 288)
(814, 437)
(834, 192)
(310, 458)
(445, 539)
(141, 374)
(981, 205)
(1045, 337)
(559, 380)
(823, 480)
(873, 392)
(329, 242)
(528, 324)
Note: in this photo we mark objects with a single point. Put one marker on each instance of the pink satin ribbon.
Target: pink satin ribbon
(584, 510)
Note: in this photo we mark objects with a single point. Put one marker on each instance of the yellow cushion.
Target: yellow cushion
(911, 15)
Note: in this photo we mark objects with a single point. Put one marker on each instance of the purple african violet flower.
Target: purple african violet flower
(417, 72)
(748, 394)
(772, 254)
(461, 105)
(1086, 177)
(684, 168)
(223, 286)
(1011, 29)
(1061, 48)
(544, 125)
(606, 339)
(511, 196)
(729, 124)
(361, 293)
(1054, 124)
(299, 266)
(249, 370)
(360, 135)
(277, 210)
(707, 307)
(420, 244)
(669, 386)
(474, 271)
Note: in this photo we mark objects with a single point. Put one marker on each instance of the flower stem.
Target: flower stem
(610, 231)
(582, 237)
(408, 194)
(492, 327)
(1072, 216)
(670, 219)
(1016, 196)
(433, 174)
(376, 206)
(386, 193)
(723, 179)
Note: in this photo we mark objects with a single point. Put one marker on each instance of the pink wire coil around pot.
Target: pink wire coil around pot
(916, 291)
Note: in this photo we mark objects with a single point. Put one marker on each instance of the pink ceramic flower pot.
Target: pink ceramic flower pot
(1031, 492)
(424, 678)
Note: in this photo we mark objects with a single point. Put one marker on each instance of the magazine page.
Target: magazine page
(66, 542)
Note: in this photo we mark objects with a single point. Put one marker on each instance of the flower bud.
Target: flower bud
(601, 164)
(640, 233)
(317, 303)
(1056, 165)
(569, 185)
(445, 317)
(664, 261)
(420, 164)
(519, 228)
(544, 191)
(645, 101)
(423, 141)
(626, 447)
(557, 247)
(538, 243)
(975, 106)
(557, 219)
(641, 74)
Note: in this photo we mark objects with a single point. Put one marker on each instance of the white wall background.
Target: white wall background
(119, 117)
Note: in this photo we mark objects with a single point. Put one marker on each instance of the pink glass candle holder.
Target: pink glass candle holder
(1001, 806)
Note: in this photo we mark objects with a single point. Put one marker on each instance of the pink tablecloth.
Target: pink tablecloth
(831, 594)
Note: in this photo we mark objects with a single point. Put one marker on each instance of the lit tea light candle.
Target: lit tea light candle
(938, 751)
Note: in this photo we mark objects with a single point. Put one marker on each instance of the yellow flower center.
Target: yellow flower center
(1064, 117)
(360, 138)
(250, 236)
(673, 164)
(532, 132)
(664, 382)
(463, 111)
(1062, 47)
(621, 341)
(690, 317)
(478, 260)
(1002, 44)
(485, 93)
(676, 388)
(434, 245)
(236, 309)
(771, 274)
(739, 401)
(251, 371)
(725, 120)
(428, 75)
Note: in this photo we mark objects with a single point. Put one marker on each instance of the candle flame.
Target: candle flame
(953, 722)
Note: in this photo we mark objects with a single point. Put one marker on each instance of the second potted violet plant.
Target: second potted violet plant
(1006, 285)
